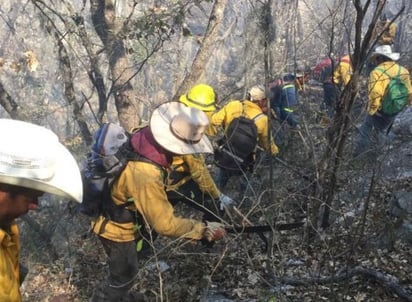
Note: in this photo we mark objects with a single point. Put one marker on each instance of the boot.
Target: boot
(104, 293)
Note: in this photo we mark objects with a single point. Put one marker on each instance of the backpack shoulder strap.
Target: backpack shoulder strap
(258, 116)
(390, 77)
(399, 71)
(143, 159)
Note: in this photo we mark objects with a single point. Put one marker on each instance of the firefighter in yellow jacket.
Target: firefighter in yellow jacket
(383, 34)
(189, 180)
(139, 196)
(341, 77)
(385, 31)
(343, 71)
(377, 120)
(30, 165)
(254, 107)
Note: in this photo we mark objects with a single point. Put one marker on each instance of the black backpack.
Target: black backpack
(110, 152)
(235, 150)
(109, 155)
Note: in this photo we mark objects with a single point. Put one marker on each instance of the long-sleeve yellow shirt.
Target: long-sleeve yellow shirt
(211, 130)
(192, 166)
(385, 32)
(343, 71)
(234, 109)
(9, 265)
(143, 183)
(378, 81)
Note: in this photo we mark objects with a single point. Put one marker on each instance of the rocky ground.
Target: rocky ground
(365, 254)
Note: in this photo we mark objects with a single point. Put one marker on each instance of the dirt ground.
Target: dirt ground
(66, 261)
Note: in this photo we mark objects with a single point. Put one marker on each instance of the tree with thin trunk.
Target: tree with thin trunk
(337, 134)
(107, 27)
(206, 48)
(9, 104)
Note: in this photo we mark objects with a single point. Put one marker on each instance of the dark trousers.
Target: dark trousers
(287, 115)
(224, 175)
(286, 118)
(330, 95)
(190, 194)
(123, 269)
(370, 132)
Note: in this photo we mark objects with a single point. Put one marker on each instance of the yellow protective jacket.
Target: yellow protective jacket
(343, 71)
(378, 81)
(143, 183)
(9, 265)
(211, 130)
(234, 109)
(193, 166)
(385, 32)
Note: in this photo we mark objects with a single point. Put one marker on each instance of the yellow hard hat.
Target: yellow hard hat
(201, 96)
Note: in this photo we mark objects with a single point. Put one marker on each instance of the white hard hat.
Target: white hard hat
(257, 93)
(31, 156)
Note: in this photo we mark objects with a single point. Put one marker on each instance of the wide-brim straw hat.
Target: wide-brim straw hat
(180, 129)
(386, 51)
(31, 156)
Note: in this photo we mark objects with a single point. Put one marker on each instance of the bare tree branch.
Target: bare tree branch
(11, 107)
(388, 281)
(205, 49)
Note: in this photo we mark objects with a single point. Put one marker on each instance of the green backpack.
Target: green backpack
(396, 94)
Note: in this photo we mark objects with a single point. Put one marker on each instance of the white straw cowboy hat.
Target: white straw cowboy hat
(386, 50)
(180, 129)
(31, 156)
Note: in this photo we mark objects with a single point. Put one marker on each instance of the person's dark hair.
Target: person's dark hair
(13, 190)
(380, 59)
(289, 77)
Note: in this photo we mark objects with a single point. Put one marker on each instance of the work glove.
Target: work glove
(274, 150)
(214, 231)
(226, 202)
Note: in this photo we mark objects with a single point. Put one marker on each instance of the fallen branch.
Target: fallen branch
(293, 169)
(386, 280)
